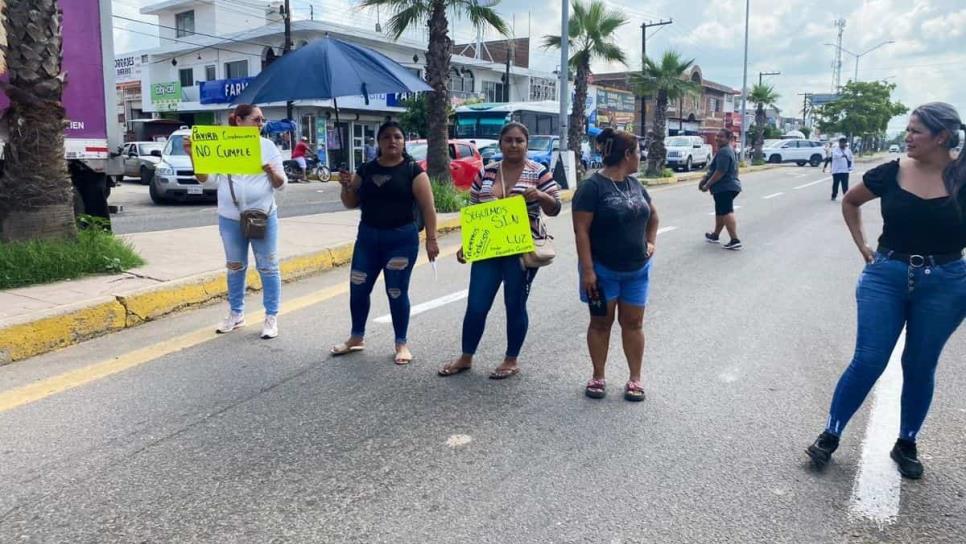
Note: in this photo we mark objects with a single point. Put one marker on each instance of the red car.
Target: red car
(465, 160)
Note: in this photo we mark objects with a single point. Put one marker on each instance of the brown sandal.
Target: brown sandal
(504, 373)
(451, 370)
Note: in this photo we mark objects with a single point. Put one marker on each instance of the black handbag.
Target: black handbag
(254, 222)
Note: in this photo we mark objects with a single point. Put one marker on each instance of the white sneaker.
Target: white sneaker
(232, 322)
(270, 328)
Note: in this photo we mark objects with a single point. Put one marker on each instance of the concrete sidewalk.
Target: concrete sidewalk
(185, 267)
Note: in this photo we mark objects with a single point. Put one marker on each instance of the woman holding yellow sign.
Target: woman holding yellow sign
(514, 176)
(389, 190)
(247, 216)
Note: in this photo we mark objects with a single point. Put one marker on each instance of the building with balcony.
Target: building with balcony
(206, 59)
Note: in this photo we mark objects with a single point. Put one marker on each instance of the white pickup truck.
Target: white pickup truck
(687, 152)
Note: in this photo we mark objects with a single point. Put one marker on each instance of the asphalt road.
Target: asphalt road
(236, 439)
(139, 214)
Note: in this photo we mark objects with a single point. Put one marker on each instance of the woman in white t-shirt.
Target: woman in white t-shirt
(251, 192)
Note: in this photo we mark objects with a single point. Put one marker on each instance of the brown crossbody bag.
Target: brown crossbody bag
(254, 222)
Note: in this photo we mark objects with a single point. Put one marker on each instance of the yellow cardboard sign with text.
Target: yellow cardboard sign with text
(496, 229)
(226, 150)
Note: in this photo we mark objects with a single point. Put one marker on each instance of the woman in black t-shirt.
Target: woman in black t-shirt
(616, 227)
(916, 279)
(387, 190)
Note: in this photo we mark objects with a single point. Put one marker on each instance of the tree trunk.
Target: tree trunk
(760, 120)
(437, 106)
(35, 190)
(578, 114)
(657, 153)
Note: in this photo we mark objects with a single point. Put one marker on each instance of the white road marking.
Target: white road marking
(457, 440)
(816, 182)
(427, 306)
(875, 493)
(773, 195)
(662, 230)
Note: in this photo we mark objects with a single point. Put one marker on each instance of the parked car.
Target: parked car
(465, 160)
(174, 178)
(488, 151)
(894, 148)
(687, 152)
(540, 149)
(800, 152)
(140, 158)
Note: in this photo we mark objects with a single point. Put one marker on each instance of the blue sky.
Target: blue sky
(926, 61)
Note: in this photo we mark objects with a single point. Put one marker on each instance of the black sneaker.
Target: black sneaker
(904, 454)
(734, 244)
(823, 448)
(711, 238)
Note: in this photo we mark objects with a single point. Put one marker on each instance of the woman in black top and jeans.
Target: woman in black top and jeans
(915, 279)
(387, 190)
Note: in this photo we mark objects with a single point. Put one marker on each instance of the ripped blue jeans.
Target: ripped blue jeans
(266, 261)
(392, 252)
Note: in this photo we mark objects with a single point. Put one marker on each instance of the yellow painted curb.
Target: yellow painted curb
(23, 340)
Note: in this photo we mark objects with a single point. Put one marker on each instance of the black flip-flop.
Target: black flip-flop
(448, 371)
(504, 374)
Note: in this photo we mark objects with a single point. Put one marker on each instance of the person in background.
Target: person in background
(371, 150)
(722, 181)
(915, 280)
(828, 157)
(255, 191)
(515, 175)
(616, 228)
(387, 190)
(299, 153)
(842, 161)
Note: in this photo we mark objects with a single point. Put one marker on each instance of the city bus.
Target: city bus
(485, 120)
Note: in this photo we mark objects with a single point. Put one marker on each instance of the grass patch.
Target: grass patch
(666, 173)
(758, 162)
(94, 251)
(448, 198)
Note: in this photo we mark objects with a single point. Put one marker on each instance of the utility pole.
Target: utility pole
(506, 85)
(762, 74)
(287, 18)
(564, 72)
(837, 65)
(805, 97)
(744, 87)
(644, 27)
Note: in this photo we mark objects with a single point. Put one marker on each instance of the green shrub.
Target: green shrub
(666, 173)
(94, 251)
(757, 162)
(448, 198)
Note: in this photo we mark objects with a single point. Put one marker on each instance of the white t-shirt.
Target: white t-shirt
(252, 191)
(841, 160)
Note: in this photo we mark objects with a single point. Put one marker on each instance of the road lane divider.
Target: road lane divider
(876, 490)
(773, 195)
(427, 306)
(816, 182)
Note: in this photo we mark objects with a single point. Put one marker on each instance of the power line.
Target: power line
(200, 46)
(225, 38)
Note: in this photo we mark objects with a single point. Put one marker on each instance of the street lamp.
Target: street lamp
(744, 86)
(762, 74)
(862, 54)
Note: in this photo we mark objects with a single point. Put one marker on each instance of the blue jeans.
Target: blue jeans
(266, 261)
(393, 252)
(931, 302)
(485, 279)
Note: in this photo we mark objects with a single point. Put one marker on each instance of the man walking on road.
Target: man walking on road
(842, 161)
(722, 181)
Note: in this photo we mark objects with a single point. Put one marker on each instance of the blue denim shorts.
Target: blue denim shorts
(628, 287)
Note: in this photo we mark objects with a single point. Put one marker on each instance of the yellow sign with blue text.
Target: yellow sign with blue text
(496, 229)
(226, 150)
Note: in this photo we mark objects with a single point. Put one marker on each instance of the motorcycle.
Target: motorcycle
(313, 169)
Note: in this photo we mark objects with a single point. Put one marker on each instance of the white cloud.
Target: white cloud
(946, 27)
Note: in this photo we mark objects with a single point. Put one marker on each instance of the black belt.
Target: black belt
(920, 260)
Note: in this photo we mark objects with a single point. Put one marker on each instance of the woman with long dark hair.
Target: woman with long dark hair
(615, 225)
(389, 190)
(915, 279)
(515, 175)
(238, 193)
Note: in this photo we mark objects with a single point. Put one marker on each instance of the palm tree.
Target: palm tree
(36, 196)
(591, 38)
(410, 13)
(763, 96)
(666, 81)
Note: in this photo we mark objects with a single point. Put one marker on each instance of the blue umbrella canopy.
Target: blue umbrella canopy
(326, 69)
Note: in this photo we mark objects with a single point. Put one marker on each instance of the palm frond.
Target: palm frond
(406, 18)
(481, 16)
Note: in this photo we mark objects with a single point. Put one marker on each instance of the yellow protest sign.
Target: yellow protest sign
(496, 229)
(226, 150)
